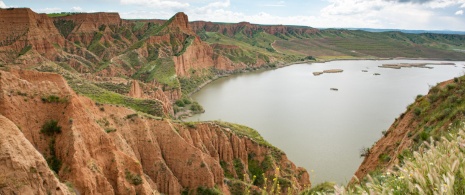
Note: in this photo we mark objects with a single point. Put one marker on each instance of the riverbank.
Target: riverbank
(313, 116)
(318, 60)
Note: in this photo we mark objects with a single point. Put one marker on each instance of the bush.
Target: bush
(50, 128)
(364, 152)
(53, 99)
(417, 111)
(53, 162)
(384, 158)
(196, 107)
(180, 103)
(133, 178)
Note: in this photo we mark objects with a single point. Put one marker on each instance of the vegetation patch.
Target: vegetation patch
(208, 191)
(133, 178)
(248, 132)
(25, 50)
(436, 168)
(50, 128)
(53, 162)
(54, 99)
(149, 106)
(120, 88)
(64, 26)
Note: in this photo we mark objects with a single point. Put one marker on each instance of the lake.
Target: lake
(320, 129)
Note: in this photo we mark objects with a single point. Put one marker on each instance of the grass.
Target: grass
(149, 106)
(247, 131)
(161, 70)
(335, 43)
(120, 88)
(25, 50)
(437, 168)
(64, 26)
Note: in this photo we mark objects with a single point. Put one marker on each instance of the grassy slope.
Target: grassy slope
(360, 44)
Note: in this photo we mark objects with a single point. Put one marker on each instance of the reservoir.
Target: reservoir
(321, 122)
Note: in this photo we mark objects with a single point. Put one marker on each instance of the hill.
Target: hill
(95, 97)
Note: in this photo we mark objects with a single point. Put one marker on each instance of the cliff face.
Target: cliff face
(105, 149)
(22, 30)
(23, 169)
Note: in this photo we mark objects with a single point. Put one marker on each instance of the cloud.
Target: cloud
(2, 5)
(162, 4)
(76, 9)
(460, 12)
(212, 6)
(393, 14)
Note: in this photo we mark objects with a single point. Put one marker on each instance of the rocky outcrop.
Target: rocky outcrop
(22, 30)
(23, 170)
(91, 22)
(106, 149)
(198, 55)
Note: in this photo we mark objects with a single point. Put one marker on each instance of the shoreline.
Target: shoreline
(302, 62)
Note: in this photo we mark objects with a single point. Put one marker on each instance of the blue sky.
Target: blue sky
(391, 14)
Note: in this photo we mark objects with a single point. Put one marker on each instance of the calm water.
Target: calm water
(320, 129)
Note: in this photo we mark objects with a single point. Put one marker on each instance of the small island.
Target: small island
(328, 71)
(413, 65)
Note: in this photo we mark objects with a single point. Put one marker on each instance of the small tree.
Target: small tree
(50, 128)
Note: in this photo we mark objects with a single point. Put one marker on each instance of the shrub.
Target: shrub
(196, 107)
(325, 187)
(132, 178)
(50, 128)
(53, 162)
(364, 151)
(208, 191)
(180, 103)
(384, 157)
(417, 111)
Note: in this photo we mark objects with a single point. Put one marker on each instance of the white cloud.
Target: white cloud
(460, 12)
(76, 9)
(217, 5)
(162, 4)
(2, 5)
(395, 14)
(445, 3)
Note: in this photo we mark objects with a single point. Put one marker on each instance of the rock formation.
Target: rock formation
(107, 149)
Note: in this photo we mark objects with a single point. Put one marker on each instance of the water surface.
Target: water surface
(320, 129)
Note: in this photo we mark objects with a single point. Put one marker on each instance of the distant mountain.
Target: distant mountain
(411, 31)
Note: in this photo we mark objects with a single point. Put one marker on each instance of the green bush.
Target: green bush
(208, 191)
(179, 103)
(384, 158)
(132, 178)
(196, 107)
(50, 128)
(417, 111)
(53, 162)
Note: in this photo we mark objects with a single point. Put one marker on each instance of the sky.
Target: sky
(381, 14)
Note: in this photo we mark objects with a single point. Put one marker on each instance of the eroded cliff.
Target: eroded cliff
(108, 149)
(429, 117)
